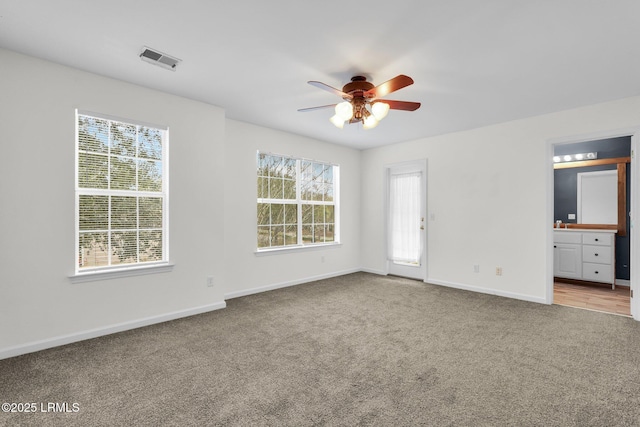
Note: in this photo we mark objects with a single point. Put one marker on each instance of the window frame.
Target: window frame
(138, 267)
(300, 202)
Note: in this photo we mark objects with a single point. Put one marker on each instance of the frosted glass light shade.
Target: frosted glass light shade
(344, 110)
(380, 110)
(337, 121)
(370, 122)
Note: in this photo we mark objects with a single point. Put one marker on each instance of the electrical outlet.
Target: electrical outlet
(498, 271)
(210, 282)
(476, 268)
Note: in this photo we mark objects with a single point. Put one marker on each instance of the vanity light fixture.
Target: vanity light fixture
(575, 157)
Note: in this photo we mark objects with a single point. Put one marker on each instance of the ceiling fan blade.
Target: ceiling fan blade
(317, 108)
(402, 105)
(389, 86)
(328, 88)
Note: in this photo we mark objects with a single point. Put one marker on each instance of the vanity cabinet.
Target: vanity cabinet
(584, 255)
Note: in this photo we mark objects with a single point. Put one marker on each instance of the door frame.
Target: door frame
(634, 233)
(419, 164)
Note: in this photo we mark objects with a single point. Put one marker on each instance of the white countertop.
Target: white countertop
(584, 230)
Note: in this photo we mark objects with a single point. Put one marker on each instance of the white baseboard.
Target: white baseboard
(623, 283)
(372, 271)
(266, 288)
(488, 291)
(98, 332)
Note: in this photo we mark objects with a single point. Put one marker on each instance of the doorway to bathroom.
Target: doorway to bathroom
(592, 228)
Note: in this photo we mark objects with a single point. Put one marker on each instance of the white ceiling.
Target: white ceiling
(474, 62)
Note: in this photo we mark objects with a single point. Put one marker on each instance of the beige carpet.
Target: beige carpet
(355, 350)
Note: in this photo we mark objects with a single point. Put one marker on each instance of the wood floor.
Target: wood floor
(593, 297)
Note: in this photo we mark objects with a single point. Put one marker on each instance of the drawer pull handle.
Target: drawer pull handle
(596, 254)
(596, 240)
(596, 272)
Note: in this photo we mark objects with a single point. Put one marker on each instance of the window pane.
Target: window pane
(124, 247)
(276, 185)
(291, 235)
(275, 166)
(306, 190)
(93, 250)
(328, 192)
(94, 212)
(277, 235)
(123, 173)
(277, 214)
(328, 174)
(318, 172)
(318, 214)
(93, 171)
(307, 234)
(123, 139)
(263, 189)
(124, 213)
(329, 214)
(150, 209)
(289, 189)
(264, 214)
(263, 237)
(150, 245)
(318, 231)
(263, 165)
(307, 214)
(289, 168)
(150, 143)
(290, 214)
(149, 175)
(93, 134)
(329, 235)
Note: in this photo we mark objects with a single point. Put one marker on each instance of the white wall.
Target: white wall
(488, 193)
(248, 272)
(39, 306)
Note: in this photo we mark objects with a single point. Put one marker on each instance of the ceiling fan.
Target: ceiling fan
(362, 101)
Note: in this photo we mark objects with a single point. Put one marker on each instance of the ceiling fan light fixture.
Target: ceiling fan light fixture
(380, 110)
(337, 121)
(344, 110)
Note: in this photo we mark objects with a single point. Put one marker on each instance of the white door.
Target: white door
(406, 225)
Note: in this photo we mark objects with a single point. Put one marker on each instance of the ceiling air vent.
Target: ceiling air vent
(160, 59)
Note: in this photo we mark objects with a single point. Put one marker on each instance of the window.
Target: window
(297, 202)
(121, 194)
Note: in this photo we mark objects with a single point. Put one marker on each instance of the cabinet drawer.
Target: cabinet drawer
(567, 237)
(596, 239)
(597, 254)
(597, 272)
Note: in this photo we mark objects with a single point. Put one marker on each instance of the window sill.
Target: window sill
(291, 249)
(91, 276)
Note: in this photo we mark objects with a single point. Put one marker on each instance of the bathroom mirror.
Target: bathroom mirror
(598, 197)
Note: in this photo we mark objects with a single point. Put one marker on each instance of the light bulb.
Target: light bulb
(344, 110)
(370, 122)
(380, 110)
(556, 159)
(578, 156)
(337, 121)
(567, 158)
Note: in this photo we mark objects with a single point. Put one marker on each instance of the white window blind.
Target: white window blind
(121, 193)
(297, 202)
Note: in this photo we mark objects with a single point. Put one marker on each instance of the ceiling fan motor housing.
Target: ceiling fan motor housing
(358, 86)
